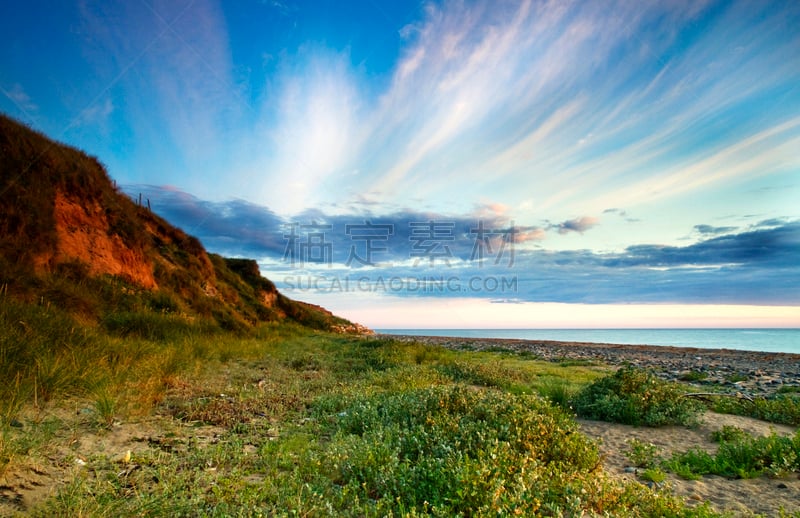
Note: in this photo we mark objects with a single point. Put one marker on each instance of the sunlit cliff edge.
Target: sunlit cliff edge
(70, 238)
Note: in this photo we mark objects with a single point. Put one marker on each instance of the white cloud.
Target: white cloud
(172, 65)
(97, 114)
(21, 99)
(316, 135)
(765, 152)
(555, 108)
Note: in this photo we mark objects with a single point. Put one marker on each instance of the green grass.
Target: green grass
(740, 455)
(319, 424)
(316, 424)
(782, 408)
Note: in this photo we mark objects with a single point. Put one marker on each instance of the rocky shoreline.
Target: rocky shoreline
(746, 372)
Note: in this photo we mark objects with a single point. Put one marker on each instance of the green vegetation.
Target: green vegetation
(643, 454)
(637, 397)
(740, 455)
(782, 408)
(328, 424)
(322, 424)
(692, 376)
(735, 377)
(655, 475)
(452, 450)
(312, 424)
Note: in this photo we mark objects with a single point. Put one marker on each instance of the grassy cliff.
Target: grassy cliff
(92, 283)
(69, 238)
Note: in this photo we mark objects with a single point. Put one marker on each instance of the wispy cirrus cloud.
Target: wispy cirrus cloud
(17, 94)
(488, 96)
(97, 115)
(555, 108)
(170, 66)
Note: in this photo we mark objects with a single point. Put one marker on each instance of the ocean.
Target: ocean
(766, 340)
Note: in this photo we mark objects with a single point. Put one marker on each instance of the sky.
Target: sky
(450, 164)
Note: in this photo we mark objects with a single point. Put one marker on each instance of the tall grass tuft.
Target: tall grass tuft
(558, 391)
(43, 354)
(106, 406)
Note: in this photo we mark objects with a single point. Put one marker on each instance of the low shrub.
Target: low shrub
(783, 408)
(728, 433)
(691, 464)
(655, 475)
(740, 455)
(472, 373)
(735, 377)
(461, 451)
(691, 376)
(643, 454)
(637, 397)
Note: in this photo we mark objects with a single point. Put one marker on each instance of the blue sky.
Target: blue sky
(522, 164)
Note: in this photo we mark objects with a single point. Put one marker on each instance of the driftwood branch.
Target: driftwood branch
(738, 395)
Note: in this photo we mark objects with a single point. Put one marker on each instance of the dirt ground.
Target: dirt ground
(30, 481)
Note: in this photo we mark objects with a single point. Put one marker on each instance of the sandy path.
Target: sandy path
(742, 497)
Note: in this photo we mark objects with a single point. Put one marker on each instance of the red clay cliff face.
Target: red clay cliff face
(83, 235)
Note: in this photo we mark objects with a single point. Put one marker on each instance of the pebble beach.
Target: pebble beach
(747, 372)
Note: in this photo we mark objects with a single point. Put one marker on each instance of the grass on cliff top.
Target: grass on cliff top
(304, 424)
(35, 172)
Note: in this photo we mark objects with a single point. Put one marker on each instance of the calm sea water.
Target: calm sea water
(771, 340)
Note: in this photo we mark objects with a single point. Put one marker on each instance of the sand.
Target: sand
(762, 495)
